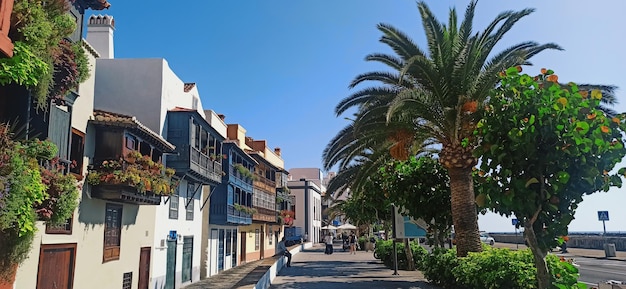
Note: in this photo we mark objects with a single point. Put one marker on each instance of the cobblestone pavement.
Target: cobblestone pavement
(312, 269)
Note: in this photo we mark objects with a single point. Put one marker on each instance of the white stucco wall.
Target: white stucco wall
(131, 87)
(216, 122)
(314, 207)
(147, 89)
(184, 228)
(311, 174)
(88, 220)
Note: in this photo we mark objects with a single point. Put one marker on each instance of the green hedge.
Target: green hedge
(490, 269)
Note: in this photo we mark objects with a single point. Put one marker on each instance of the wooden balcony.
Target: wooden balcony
(265, 185)
(265, 215)
(240, 180)
(124, 193)
(237, 217)
(204, 165)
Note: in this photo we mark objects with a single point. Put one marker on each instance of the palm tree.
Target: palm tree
(437, 94)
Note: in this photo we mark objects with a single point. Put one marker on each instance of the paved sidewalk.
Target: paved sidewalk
(312, 269)
(573, 252)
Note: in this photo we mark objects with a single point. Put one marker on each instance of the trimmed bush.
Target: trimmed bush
(490, 269)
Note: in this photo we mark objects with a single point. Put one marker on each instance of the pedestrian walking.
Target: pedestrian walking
(328, 240)
(283, 249)
(352, 242)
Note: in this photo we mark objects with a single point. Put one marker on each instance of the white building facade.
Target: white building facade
(148, 89)
(308, 207)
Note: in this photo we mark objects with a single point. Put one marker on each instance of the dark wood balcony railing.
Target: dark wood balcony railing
(204, 165)
(264, 214)
(264, 184)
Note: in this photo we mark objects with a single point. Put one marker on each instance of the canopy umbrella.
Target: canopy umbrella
(347, 226)
(329, 227)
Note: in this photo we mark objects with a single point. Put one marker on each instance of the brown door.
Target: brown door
(144, 268)
(262, 241)
(56, 266)
(242, 256)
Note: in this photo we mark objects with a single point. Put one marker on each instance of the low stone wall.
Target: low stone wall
(575, 241)
(265, 281)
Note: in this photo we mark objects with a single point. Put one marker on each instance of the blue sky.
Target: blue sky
(279, 67)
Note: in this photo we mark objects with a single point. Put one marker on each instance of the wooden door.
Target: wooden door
(242, 255)
(170, 271)
(56, 266)
(262, 241)
(144, 268)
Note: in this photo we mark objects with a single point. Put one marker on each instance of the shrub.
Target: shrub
(438, 266)
(384, 252)
(497, 268)
(563, 274)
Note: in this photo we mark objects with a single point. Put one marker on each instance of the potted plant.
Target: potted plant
(133, 156)
(28, 193)
(144, 174)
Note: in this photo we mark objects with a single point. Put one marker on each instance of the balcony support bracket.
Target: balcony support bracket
(189, 200)
(208, 197)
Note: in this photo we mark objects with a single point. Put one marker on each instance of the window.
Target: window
(127, 280)
(187, 259)
(65, 228)
(233, 256)
(112, 232)
(174, 205)
(229, 242)
(131, 142)
(257, 239)
(194, 103)
(191, 189)
(77, 152)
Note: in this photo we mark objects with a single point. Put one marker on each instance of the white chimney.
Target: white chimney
(100, 34)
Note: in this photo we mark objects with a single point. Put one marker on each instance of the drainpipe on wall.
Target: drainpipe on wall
(306, 205)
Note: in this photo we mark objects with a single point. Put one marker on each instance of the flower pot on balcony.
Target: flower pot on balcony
(7, 283)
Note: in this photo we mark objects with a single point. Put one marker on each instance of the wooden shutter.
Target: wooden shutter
(59, 130)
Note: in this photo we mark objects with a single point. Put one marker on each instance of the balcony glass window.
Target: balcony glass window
(174, 205)
(77, 152)
(191, 189)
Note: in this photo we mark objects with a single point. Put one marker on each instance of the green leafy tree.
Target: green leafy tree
(544, 146)
(421, 187)
(435, 95)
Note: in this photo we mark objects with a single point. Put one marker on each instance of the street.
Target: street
(593, 270)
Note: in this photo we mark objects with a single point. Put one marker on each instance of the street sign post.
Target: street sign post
(604, 216)
(515, 222)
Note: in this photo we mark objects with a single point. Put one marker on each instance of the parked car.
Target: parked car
(485, 238)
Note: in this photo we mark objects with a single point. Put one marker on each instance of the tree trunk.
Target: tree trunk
(409, 255)
(464, 215)
(543, 276)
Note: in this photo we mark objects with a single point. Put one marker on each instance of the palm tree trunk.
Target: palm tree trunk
(464, 215)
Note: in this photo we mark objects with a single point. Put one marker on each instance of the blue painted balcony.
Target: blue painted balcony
(234, 216)
(198, 147)
(239, 179)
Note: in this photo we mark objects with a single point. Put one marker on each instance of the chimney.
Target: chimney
(100, 34)
(277, 151)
